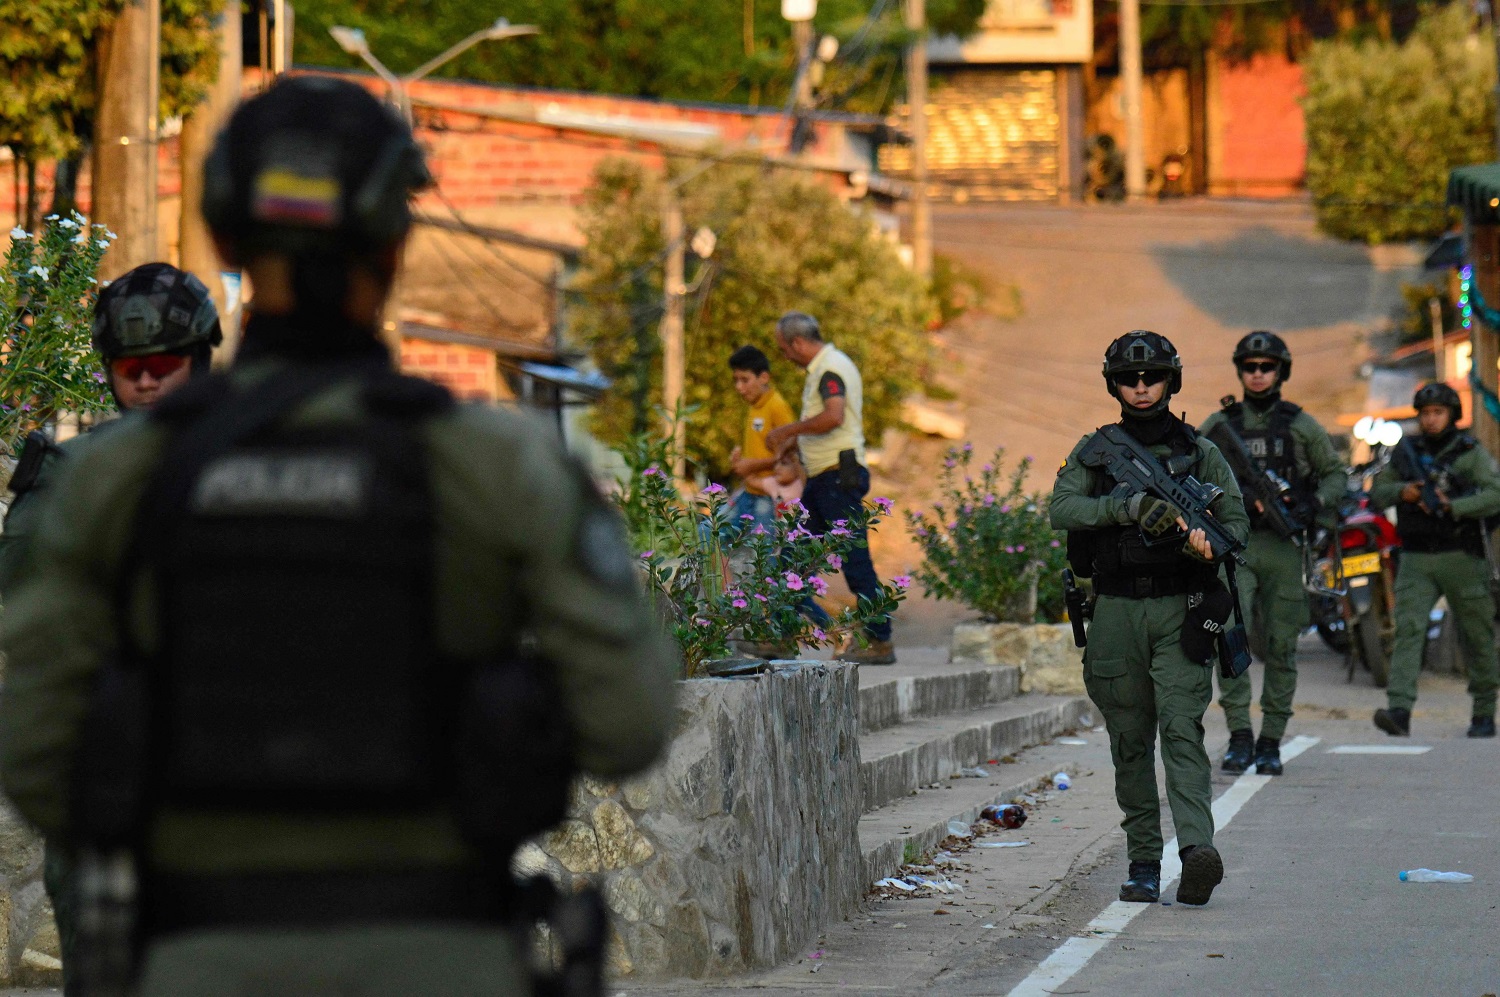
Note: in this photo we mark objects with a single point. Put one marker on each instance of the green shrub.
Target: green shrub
(1386, 122)
(47, 290)
(985, 542)
(784, 243)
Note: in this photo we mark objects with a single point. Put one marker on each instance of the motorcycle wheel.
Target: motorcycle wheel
(1369, 640)
(1332, 629)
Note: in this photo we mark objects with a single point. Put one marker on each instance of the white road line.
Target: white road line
(1379, 749)
(1072, 955)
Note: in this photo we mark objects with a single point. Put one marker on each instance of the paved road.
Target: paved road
(1201, 273)
(1311, 904)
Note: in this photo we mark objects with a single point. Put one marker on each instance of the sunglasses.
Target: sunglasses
(1129, 379)
(1260, 367)
(158, 365)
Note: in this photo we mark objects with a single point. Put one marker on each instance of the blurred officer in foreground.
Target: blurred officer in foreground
(155, 327)
(308, 651)
(1285, 445)
(1137, 667)
(1444, 486)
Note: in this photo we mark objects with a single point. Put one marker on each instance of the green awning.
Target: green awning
(1476, 189)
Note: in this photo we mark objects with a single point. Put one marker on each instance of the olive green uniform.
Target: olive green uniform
(1139, 677)
(1271, 592)
(21, 522)
(1459, 574)
(515, 547)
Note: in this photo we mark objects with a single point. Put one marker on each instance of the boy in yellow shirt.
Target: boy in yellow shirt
(753, 459)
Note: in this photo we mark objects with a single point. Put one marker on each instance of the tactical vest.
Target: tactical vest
(1273, 448)
(296, 669)
(1423, 532)
(1112, 553)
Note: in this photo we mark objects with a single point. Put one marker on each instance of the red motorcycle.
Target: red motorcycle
(1353, 583)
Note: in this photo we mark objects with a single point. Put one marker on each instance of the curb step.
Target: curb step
(899, 760)
(923, 819)
(888, 703)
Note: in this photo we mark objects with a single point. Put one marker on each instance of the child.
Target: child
(784, 483)
(753, 461)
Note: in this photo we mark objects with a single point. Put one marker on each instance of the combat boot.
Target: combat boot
(1144, 884)
(1237, 757)
(1482, 727)
(1267, 756)
(1202, 870)
(879, 652)
(1395, 721)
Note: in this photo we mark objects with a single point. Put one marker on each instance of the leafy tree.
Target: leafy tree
(713, 50)
(784, 243)
(1386, 122)
(48, 95)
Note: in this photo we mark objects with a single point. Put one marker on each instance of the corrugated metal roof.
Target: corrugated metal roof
(1476, 189)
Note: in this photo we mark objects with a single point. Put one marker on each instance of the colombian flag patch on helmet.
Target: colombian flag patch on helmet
(285, 197)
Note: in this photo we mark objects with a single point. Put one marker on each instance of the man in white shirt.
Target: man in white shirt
(831, 437)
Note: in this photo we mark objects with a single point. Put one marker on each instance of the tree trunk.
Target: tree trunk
(65, 184)
(33, 218)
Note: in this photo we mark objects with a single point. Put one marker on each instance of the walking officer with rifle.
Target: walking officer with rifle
(1446, 490)
(1152, 511)
(308, 651)
(1292, 479)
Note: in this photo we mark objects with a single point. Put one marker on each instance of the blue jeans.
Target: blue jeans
(761, 507)
(826, 502)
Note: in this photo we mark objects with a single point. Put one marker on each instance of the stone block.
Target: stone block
(575, 845)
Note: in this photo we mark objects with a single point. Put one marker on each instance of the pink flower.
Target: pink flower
(714, 489)
(819, 585)
(701, 622)
(747, 517)
(1020, 548)
(902, 582)
(1010, 550)
(794, 581)
(739, 604)
(759, 531)
(968, 448)
(953, 525)
(762, 598)
(989, 500)
(968, 508)
(648, 555)
(1055, 543)
(1005, 508)
(950, 463)
(652, 472)
(834, 561)
(820, 635)
(885, 505)
(988, 468)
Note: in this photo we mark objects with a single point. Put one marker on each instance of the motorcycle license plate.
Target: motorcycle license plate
(1362, 564)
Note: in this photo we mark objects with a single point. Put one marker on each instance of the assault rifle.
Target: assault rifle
(1128, 462)
(1436, 479)
(1080, 607)
(1262, 485)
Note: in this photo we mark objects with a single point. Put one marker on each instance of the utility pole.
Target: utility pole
(1130, 81)
(916, 100)
(125, 136)
(196, 248)
(802, 40)
(672, 350)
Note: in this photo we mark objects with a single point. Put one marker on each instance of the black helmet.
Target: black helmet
(155, 308)
(1265, 344)
(1142, 350)
(1438, 393)
(314, 165)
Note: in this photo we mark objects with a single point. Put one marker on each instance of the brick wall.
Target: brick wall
(468, 371)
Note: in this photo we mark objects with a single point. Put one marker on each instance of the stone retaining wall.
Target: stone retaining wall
(1049, 661)
(28, 950)
(739, 847)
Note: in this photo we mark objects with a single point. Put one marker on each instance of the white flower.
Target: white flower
(18, 233)
(67, 223)
(81, 239)
(101, 243)
(41, 272)
(52, 218)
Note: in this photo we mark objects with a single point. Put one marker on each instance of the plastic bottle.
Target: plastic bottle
(1061, 781)
(1433, 876)
(1005, 814)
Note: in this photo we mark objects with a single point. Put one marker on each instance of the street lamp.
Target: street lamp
(353, 41)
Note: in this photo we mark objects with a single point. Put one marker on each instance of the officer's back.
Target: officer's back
(314, 643)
